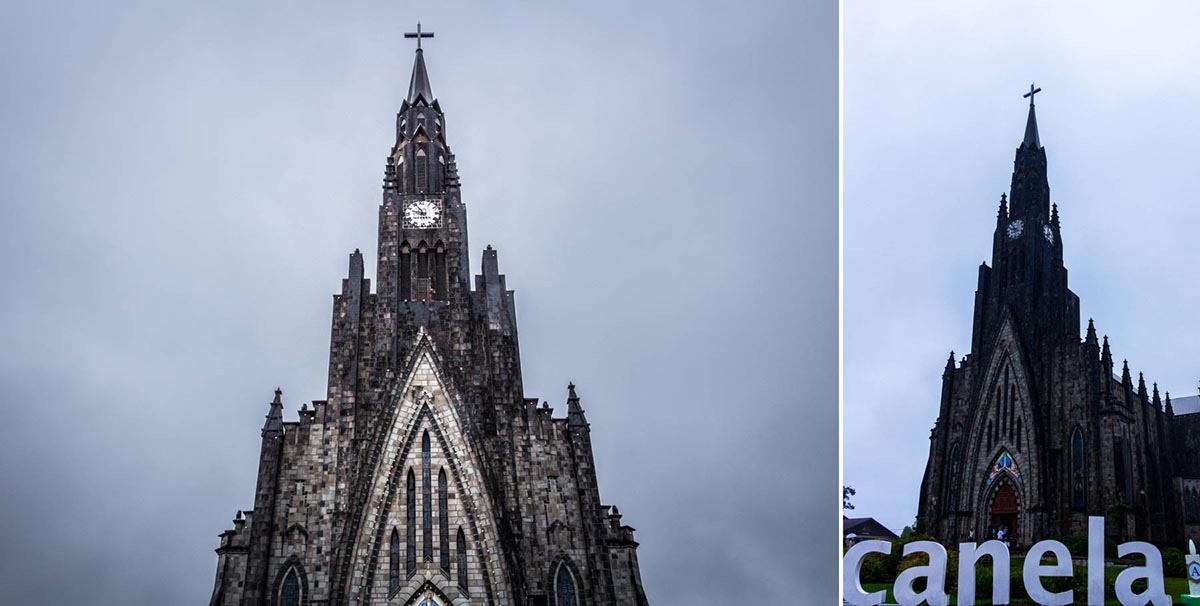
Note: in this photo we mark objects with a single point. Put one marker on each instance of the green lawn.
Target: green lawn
(1175, 587)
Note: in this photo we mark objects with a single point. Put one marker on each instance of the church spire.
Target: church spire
(1157, 401)
(1031, 130)
(1029, 195)
(418, 86)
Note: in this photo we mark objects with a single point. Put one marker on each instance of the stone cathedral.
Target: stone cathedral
(1036, 431)
(426, 477)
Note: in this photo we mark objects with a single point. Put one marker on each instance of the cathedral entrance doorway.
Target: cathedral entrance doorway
(1005, 512)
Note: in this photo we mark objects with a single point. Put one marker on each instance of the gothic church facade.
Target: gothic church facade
(426, 477)
(1035, 431)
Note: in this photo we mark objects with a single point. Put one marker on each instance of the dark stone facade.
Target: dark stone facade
(1035, 431)
(426, 476)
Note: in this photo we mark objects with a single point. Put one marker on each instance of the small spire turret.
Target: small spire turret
(274, 424)
(575, 416)
(1157, 401)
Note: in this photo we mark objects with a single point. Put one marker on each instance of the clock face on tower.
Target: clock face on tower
(423, 214)
(1015, 228)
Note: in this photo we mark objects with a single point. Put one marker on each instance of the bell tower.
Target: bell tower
(422, 222)
(1027, 279)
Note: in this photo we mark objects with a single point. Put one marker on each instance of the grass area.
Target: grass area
(1174, 586)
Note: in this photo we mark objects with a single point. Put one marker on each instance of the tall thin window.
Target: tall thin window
(1018, 433)
(564, 588)
(1121, 470)
(411, 528)
(289, 590)
(422, 170)
(443, 521)
(394, 561)
(461, 549)
(1078, 471)
(426, 499)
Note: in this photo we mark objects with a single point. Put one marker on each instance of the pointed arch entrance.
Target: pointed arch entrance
(1005, 511)
(1001, 505)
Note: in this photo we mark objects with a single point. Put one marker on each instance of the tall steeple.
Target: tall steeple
(1031, 130)
(418, 86)
(423, 231)
(1030, 192)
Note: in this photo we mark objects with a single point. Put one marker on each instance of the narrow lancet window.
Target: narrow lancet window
(443, 521)
(461, 549)
(411, 527)
(289, 590)
(394, 561)
(422, 171)
(1078, 471)
(564, 588)
(426, 499)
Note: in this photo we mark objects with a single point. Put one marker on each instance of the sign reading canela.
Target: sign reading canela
(970, 554)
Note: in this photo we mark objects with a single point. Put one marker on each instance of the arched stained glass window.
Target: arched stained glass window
(411, 520)
(461, 549)
(564, 587)
(444, 521)
(394, 561)
(426, 499)
(1078, 470)
(289, 590)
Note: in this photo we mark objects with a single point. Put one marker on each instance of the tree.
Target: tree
(847, 492)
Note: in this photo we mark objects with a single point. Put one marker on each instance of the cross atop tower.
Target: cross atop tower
(1029, 95)
(420, 34)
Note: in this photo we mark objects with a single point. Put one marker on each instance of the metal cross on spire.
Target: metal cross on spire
(418, 35)
(1027, 95)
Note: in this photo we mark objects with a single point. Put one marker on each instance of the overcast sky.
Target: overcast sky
(181, 187)
(933, 116)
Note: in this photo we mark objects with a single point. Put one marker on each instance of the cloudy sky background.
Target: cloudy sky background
(181, 187)
(933, 116)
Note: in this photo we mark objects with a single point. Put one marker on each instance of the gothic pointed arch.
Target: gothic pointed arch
(424, 402)
(290, 587)
(431, 594)
(1004, 408)
(461, 557)
(394, 562)
(565, 586)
